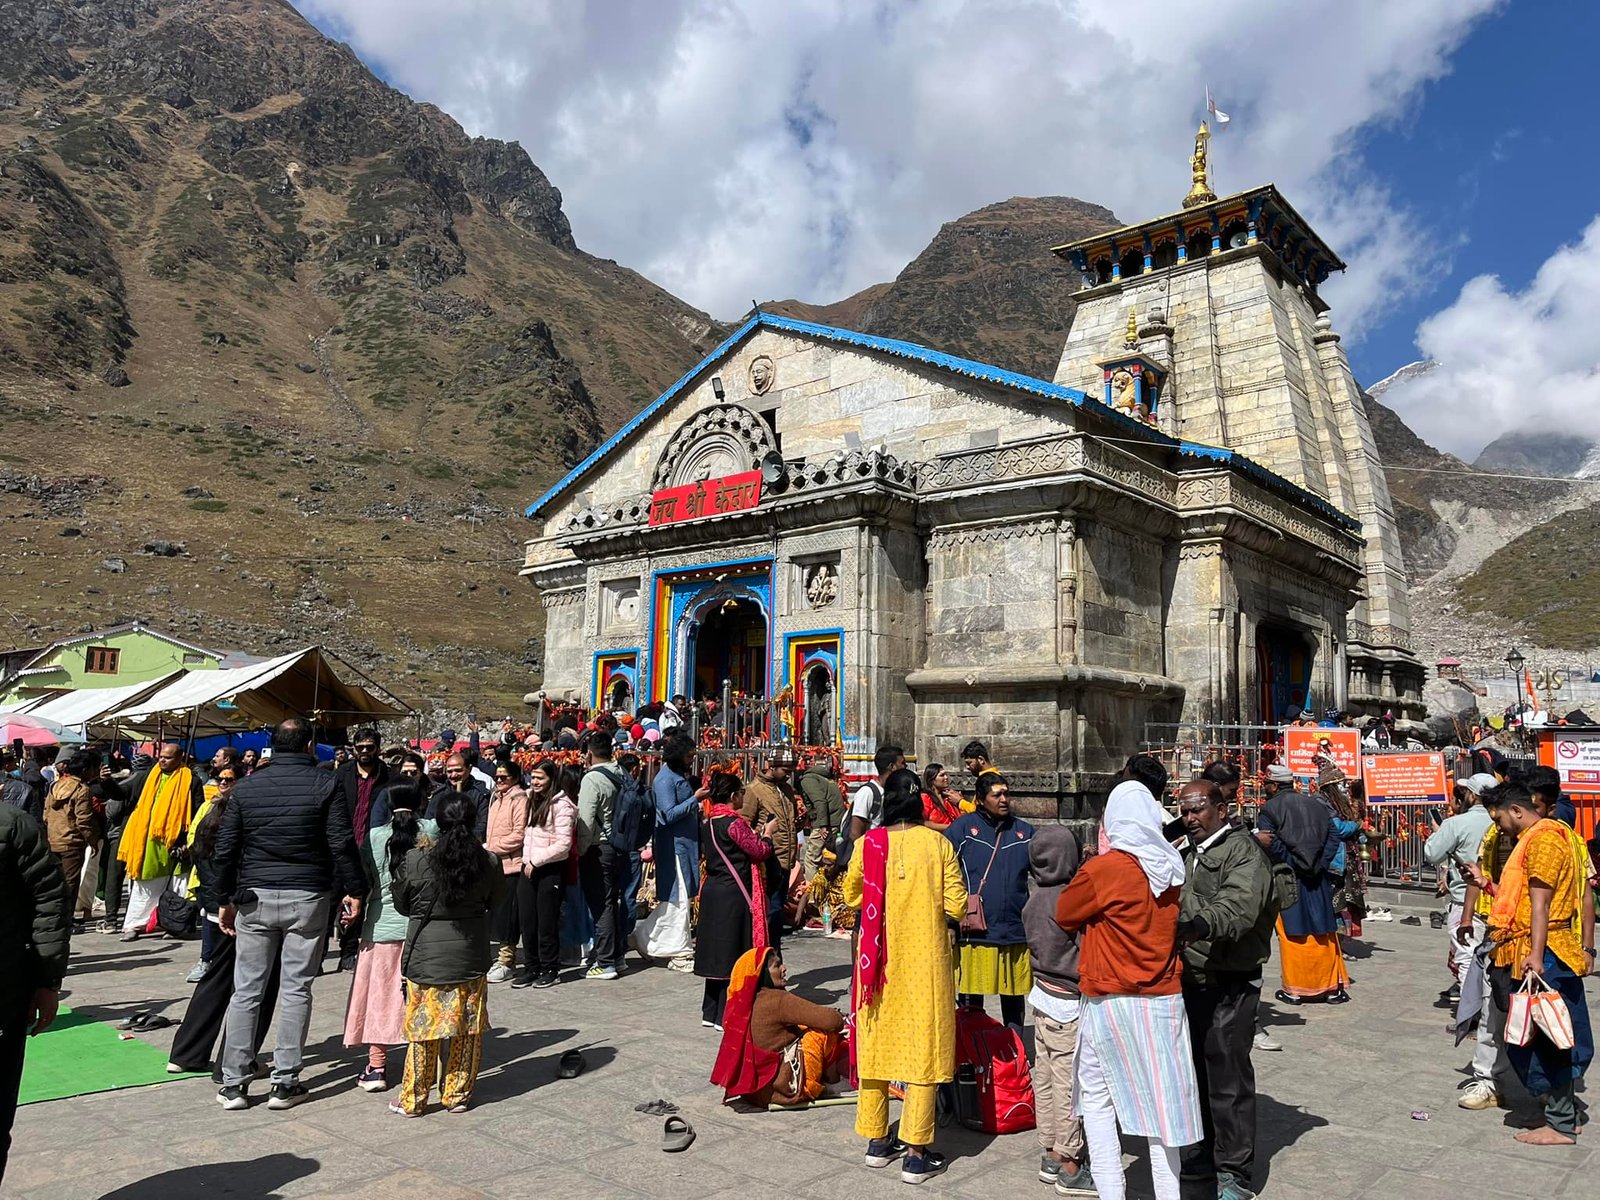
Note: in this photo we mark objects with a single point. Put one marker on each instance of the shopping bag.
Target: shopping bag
(1519, 1014)
(1551, 1015)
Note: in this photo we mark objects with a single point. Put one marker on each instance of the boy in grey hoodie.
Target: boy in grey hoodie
(1053, 858)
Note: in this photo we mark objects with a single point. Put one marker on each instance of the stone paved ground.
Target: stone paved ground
(1335, 1115)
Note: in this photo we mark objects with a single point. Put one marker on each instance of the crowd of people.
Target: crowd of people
(440, 874)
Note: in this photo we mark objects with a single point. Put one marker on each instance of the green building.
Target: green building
(107, 658)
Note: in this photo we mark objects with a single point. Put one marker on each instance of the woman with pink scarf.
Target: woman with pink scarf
(906, 883)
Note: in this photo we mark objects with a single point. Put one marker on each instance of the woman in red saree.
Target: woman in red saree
(777, 1048)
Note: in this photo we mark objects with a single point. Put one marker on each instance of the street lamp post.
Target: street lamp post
(1515, 661)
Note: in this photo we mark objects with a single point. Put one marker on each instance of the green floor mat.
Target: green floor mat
(79, 1055)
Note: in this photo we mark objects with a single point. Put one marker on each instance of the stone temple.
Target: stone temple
(1188, 524)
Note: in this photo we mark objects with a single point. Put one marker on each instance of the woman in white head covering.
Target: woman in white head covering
(1135, 1068)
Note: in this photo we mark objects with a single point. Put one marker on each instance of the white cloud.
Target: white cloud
(1507, 361)
(739, 149)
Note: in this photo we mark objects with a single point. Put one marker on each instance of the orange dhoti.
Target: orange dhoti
(1313, 966)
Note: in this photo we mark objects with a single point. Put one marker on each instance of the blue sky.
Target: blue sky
(1498, 159)
(730, 149)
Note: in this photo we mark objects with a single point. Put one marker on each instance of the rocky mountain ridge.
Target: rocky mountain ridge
(303, 328)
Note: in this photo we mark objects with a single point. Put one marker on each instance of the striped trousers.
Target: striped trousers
(460, 1072)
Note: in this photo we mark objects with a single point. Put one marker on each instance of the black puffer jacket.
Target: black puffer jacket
(288, 828)
(34, 916)
(446, 944)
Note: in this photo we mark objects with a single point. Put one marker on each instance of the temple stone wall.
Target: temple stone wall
(1121, 597)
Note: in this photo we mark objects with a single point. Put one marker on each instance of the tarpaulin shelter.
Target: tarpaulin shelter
(312, 683)
(89, 706)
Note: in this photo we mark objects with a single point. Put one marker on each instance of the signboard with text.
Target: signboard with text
(1577, 758)
(708, 498)
(1301, 743)
(1405, 778)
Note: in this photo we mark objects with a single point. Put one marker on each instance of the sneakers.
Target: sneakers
(1049, 1169)
(683, 964)
(1339, 997)
(196, 973)
(1264, 1041)
(234, 1099)
(522, 980)
(1229, 1187)
(548, 979)
(600, 972)
(1076, 1183)
(372, 1079)
(883, 1151)
(917, 1167)
(1480, 1094)
(499, 973)
(1379, 914)
(287, 1095)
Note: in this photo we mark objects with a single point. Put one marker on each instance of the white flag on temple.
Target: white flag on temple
(1219, 118)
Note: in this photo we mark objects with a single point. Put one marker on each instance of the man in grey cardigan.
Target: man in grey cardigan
(1225, 924)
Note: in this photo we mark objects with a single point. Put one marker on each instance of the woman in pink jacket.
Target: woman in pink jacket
(508, 813)
(547, 847)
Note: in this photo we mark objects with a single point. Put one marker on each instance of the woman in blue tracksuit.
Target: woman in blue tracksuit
(992, 847)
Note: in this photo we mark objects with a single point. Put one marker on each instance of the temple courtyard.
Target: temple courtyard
(1360, 1102)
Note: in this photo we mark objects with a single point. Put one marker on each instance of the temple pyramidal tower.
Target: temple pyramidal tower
(1207, 324)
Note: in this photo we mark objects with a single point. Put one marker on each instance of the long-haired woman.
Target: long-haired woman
(733, 899)
(448, 890)
(941, 802)
(375, 1014)
(547, 845)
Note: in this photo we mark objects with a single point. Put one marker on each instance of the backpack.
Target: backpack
(874, 813)
(995, 1056)
(633, 815)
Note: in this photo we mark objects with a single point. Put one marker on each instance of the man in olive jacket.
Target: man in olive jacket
(1225, 925)
(34, 928)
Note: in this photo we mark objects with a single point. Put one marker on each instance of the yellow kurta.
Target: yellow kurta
(910, 1033)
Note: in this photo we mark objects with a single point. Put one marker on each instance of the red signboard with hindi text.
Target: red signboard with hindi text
(1301, 743)
(708, 498)
(1405, 778)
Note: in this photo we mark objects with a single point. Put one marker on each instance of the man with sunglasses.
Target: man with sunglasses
(361, 779)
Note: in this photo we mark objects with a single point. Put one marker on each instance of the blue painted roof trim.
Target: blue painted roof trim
(946, 362)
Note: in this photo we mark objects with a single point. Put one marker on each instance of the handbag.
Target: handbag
(1535, 1008)
(177, 915)
(975, 920)
(1548, 1010)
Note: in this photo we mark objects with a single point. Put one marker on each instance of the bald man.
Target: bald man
(166, 796)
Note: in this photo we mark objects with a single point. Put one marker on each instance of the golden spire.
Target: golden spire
(1132, 336)
(1199, 189)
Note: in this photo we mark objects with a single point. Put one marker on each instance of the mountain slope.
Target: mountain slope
(298, 323)
(986, 287)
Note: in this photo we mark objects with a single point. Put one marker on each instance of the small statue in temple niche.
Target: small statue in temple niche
(822, 587)
(1126, 389)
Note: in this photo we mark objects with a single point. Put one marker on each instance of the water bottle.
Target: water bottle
(827, 921)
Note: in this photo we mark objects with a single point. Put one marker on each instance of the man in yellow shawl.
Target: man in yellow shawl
(1536, 925)
(168, 795)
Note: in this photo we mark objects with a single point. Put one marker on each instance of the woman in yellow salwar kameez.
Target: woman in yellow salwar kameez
(906, 883)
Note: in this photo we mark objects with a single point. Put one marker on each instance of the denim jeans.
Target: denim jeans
(1551, 1073)
(278, 925)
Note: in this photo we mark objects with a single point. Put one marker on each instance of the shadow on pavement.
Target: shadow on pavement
(1278, 1126)
(256, 1179)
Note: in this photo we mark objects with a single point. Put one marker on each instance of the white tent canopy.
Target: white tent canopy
(300, 684)
(87, 706)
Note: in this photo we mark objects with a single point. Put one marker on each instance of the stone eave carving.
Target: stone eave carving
(946, 680)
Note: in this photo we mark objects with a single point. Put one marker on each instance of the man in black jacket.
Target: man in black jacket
(284, 850)
(458, 778)
(361, 780)
(34, 929)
